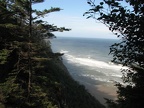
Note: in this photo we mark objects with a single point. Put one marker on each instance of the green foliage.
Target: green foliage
(63, 90)
(3, 55)
(31, 75)
(127, 23)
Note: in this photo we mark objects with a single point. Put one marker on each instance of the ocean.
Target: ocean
(88, 62)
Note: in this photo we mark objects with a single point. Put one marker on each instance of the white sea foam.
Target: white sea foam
(64, 51)
(92, 62)
(96, 78)
(89, 60)
(109, 70)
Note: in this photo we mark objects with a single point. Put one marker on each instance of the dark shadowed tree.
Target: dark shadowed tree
(21, 38)
(125, 18)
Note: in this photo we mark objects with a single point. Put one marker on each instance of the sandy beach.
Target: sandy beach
(101, 91)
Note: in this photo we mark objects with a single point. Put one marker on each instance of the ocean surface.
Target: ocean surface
(88, 60)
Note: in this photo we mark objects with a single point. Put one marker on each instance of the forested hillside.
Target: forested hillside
(31, 75)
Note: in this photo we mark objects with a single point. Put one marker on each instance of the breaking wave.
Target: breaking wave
(109, 70)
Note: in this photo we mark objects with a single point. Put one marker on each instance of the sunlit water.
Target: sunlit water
(88, 60)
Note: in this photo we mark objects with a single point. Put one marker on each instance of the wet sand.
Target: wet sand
(101, 91)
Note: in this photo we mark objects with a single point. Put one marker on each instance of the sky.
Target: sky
(71, 16)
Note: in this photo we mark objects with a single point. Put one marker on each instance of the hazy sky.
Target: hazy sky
(72, 17)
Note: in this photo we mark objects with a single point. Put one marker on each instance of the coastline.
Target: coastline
(99, 91)
(76, 90)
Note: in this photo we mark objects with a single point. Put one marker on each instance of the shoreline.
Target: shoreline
(102, 91)
(96, 91)
(81, 87)
(99, 90)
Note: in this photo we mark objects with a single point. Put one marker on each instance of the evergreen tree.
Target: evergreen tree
(19, 87)
(31, 75)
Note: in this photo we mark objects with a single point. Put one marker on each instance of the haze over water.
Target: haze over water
(89, 63)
